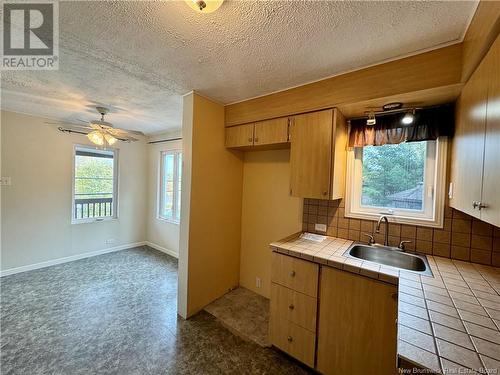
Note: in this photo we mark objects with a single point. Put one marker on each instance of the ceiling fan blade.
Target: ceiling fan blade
(121, 136)
(122, 132)
(74, 128)
(136, 132)
(65, 123)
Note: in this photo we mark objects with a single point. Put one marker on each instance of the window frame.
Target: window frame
(161, 170)
(430, 217)
(115, 184)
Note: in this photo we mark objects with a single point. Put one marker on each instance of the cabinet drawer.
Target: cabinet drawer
(294, 340)
(293, 306)
(296, 274)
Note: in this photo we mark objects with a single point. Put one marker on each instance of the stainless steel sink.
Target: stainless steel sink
(390, 256)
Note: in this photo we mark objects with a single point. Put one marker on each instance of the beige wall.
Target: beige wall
(160, 234)
(269, 213)
(36, 208)
(211, 204)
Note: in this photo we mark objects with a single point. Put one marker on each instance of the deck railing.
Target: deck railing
(93, 207)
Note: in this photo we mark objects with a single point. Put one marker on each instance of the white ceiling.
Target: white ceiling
(140, 57)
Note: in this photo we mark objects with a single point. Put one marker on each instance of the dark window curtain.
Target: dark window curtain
(429, 124)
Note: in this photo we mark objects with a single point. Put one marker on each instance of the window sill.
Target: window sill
(93, 220)
(421, 222)
(170, 221)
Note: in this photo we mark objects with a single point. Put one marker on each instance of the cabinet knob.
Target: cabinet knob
(290, 338)
(325, 193)
(482, 205)
(256, 139)
(250, 139)
(475, 204)
(292, 274)
(291, 306)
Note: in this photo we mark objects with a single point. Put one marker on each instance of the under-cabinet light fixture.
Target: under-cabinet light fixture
(408, 118)
(371, 119)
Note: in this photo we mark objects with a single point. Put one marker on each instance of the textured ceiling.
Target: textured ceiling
(140, 57)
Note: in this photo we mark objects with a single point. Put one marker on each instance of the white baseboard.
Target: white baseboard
(71, 258)
(163, 249)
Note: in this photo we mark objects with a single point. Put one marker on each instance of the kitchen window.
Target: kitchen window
(169, 206)
(404, 181)
(94, 185)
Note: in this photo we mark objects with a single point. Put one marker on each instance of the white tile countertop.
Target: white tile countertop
(448, 322)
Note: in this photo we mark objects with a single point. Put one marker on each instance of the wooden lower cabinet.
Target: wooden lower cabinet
(293, 306)
(293, 339)
(296, 274)
(357, 331)
(349, 328)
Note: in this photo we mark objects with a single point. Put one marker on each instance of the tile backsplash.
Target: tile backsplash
(462, 236)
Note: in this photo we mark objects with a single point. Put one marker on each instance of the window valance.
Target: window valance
(429, 124)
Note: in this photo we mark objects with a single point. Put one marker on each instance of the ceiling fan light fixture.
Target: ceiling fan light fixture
(96, 137)
(110, 140)
(204, 6)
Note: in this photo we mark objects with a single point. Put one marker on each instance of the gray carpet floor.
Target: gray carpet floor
(117, 314)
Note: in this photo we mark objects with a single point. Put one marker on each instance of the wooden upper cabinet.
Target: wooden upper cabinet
(491, 174)
(318, 155)
(468, 145)
(357, 332)
(476, 145)
(271, 131)
(240, 136)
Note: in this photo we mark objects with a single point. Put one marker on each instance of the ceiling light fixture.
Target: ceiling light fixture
(371, 119)
(100, 137)
(204, 6)
(96, 137)
(408, 118)
(392, 106)
(110, 139)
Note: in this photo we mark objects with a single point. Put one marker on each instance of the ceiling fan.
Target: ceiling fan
(100, 132)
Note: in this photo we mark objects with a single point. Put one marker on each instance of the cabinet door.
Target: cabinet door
(357, 331)
(491, 174)
(271, 131)
(240, 136)
(468, 144)
(311, 154)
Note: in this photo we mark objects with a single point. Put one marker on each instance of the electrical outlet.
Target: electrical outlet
(258, 282)
(5, 181)
(110, 241)
(320, 227)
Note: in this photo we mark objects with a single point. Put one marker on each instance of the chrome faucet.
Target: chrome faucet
(377, 230)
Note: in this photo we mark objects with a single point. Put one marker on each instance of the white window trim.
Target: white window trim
(115, 186)
(159, 185)
(434, 219)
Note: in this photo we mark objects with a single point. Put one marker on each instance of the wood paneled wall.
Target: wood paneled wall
(481, 34)
(440, 67)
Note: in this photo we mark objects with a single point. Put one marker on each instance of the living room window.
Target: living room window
(94, 184)
(169, 206)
